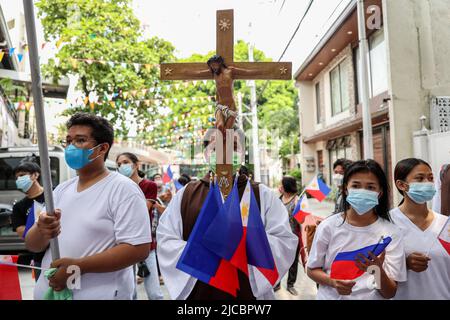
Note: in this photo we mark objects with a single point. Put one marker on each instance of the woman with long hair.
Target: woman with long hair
(427, 261)
(364, 223)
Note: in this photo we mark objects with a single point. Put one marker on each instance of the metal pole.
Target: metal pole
(36, 85)
(254, 111)
(240, 115)
(364, 76)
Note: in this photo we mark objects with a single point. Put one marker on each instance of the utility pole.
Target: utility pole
(364, 76)
(240, 114)
(254, 111)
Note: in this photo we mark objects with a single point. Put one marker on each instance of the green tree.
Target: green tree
(89, 31)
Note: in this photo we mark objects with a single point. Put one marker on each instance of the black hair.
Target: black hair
(156, 174)
(28, 167)
(133, 158)
(344, 163)
(369, 166)
(218, 59)
(102, 130)
(289, 184)
(404, 168)
(184, 179)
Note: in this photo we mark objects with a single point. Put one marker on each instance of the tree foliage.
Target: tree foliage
(89, 31)
(99, 31)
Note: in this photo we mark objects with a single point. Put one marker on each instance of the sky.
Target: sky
(190, 25)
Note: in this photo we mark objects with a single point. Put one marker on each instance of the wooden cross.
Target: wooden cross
(225, 48)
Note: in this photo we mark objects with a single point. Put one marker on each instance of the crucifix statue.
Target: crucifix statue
(222, 68)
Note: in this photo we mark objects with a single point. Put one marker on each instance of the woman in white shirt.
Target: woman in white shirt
(428, 263)
(364, 221)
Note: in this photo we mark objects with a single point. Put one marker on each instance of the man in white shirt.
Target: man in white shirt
(178, 221)
(101, 219)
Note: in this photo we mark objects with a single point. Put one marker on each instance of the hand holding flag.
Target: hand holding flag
(345, 267)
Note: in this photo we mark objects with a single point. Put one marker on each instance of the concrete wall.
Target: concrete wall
(308, 112)
(418, 49)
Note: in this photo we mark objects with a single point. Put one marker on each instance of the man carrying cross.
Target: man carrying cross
(178, 221)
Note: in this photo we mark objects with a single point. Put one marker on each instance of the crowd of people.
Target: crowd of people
(122, 229)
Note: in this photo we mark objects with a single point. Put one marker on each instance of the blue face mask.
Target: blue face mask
(421, 192)
(24, 183)
(77, 158)
(126, 170)
(362, 200)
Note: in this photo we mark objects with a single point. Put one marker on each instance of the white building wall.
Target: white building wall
(418, 50)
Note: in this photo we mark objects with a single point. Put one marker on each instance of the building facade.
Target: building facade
(406, 70)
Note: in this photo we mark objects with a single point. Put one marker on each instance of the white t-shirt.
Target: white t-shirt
(433, 283)
(333, 236)
(111, 212)
(437, 197)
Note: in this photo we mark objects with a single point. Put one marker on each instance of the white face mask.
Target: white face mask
(338, 179)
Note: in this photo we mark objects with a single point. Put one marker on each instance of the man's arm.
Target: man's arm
(46, 228)
(117, 258)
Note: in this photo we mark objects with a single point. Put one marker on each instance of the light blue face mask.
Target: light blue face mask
(362, 200)
(421, 192)
(126, 170)
(24, 183)
(77, 158)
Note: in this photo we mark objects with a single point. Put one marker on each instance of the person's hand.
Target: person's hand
(363, 263)
(417, 262)
(343, 287)
(160, 208)
(59, 280)
(49, 225)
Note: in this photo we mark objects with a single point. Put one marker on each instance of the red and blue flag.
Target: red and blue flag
(344, 266)
(199, 261)
(301, 210)
(168, 175)
(318, 189)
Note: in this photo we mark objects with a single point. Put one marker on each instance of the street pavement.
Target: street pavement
(305, 287)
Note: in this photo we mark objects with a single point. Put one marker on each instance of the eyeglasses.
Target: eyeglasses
(77, 142)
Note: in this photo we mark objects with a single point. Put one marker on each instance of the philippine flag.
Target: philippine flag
(9, 279)
(444, 236)
(259, 253)
(226, 234)
(202, 263)
(301, 210)
(318, 189)
(33, 215)
(344, 266)
(168, 175)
